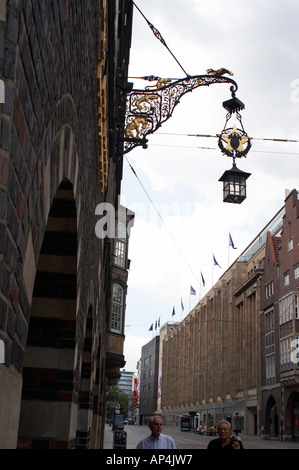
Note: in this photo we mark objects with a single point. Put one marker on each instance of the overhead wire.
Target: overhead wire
(272, 139)
(266, 139)
(161, 218)
(214, 148)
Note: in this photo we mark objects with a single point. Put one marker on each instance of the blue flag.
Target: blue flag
(182, 304)
(231, 243)
(173, 311)
(215, 262)
(151, 327)
(192, 291)
(203, 281)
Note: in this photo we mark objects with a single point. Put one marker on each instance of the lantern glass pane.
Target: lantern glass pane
(234, 186)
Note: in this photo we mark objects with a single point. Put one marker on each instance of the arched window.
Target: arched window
(120, 245)
(117, 308)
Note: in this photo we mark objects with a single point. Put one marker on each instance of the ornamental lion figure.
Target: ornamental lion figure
(134, 126)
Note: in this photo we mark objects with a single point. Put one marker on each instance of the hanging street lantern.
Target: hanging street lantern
(234, 185)
(235, 143)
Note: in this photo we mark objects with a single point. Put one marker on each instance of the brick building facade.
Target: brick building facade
(280, 328)
(61, 123)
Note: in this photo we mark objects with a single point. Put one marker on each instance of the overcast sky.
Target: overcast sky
(258, 41)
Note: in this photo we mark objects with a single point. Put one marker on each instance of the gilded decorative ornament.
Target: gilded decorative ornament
(219, 72)
(160, 83)
(135, 127)
(235, 139)
(147, 99)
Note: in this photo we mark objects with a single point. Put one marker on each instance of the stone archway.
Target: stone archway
(295, 416)
(292, 416)
(87, 379)
(50, 390)
(271, 418)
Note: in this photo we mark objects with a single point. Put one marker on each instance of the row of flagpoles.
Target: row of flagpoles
(157, 324)
(192, 290)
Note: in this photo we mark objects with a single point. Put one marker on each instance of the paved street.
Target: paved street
(189, 440)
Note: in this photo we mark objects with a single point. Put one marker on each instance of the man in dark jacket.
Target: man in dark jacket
(225, 440)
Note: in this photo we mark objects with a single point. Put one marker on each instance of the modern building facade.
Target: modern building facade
(165, 330)
(126, 381)
(62, 287)
(149, 366)
(233, 356)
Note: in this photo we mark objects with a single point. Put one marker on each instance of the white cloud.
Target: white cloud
(133, 345)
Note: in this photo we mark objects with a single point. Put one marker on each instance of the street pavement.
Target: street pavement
(190, 440)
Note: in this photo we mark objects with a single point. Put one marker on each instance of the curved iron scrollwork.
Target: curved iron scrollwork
(148, 109)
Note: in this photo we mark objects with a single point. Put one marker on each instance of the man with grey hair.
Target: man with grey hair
(225, 440)
(156, 440)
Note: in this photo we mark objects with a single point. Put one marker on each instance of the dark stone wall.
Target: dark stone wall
(49, 68)
(49, 54)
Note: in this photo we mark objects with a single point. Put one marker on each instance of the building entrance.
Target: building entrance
(295, 417)
(49, 401)
(271, 421)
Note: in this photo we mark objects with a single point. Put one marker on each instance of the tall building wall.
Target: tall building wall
(211, 362)
(148, 402)
(280, 328)
(61, 100)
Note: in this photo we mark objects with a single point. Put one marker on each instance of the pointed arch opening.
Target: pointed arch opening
(85, 411)
(50, 385)
(292, 416)
(271, 418)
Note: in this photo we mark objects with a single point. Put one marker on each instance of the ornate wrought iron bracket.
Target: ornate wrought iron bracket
(148, 109)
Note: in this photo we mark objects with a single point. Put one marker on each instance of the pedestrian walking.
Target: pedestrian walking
(156, 440)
